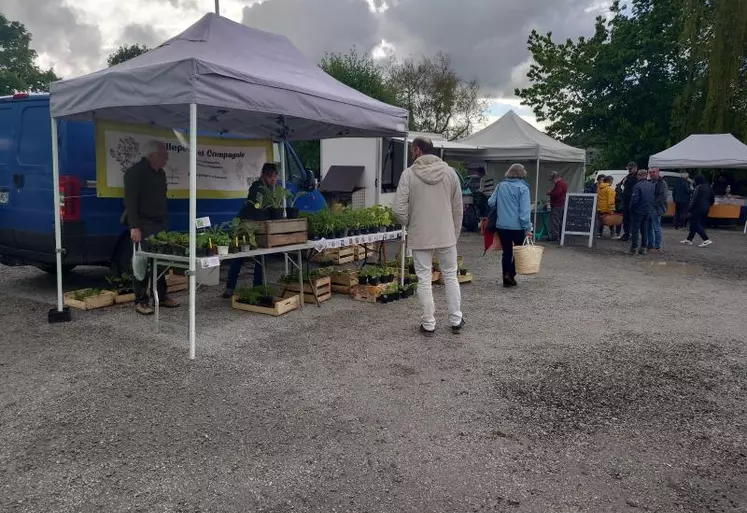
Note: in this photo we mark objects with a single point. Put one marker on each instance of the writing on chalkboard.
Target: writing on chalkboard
(580, 214)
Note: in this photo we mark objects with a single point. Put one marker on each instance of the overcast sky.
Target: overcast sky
(485, 38)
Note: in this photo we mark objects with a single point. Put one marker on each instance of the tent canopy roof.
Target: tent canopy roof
(702, 151)
(512, 138)
(244, 81)
(439, 141)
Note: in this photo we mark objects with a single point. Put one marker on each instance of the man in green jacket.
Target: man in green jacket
(146, 211)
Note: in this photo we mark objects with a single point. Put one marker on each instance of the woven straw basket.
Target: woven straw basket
(528, 257)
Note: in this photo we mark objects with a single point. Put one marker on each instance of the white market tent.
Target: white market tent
(440, 142)
(702, 151)
(511, 139)
(223, 77)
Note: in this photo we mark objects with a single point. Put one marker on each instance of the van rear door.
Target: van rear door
(7, 155)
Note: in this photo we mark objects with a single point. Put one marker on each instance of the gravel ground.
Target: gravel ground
(608, 383)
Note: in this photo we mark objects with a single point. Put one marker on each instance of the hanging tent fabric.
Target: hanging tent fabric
(702, 151)
(511, 139)
(226, 78)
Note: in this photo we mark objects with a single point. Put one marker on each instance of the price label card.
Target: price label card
(202, 222)
(409, 253)
(320, 245)
(209, 262)
(346, 241)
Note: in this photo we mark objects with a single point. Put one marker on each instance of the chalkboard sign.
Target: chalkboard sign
(579, 216)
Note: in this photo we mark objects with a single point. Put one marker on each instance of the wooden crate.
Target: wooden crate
(368, 293)
(338, 256)
(282, 232)
(360, 251)
(105, 298)
(467, 278)
(282, 306)
(343, 283)
(120, 299)
(176, 282)
(320, 289)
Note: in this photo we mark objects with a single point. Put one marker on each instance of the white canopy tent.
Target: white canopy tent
(243, 80)
(702, 151)
(511, 139)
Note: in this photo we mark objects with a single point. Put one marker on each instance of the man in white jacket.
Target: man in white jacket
(429, 204)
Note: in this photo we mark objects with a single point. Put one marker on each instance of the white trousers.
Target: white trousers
(423, 260)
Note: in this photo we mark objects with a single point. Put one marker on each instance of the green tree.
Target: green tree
(439, 100)
(613, 91)
(355, 70)
(125, 53)
(17, 69)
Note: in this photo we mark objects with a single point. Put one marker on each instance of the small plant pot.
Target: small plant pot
(354, 232)
(408, 280)
(291, 213)
(385, 298)
(339, 234)
(373, 280)
(390, 228)
(411, 269)
(462, 272)
(203, 252)
(258, 214)
(234, 249)
(398, 226)
(144, 245)
(245, 248)
(276, 213)
(382, 229)
(390, 278)
(222, 250)
(266, 301)
(362, 280)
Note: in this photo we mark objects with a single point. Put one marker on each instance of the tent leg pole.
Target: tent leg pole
(192, 225)
(283, 177)
(57, 215)
(536, 193)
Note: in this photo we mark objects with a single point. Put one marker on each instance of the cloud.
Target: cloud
(485, 39)
(318, 26)
(59, 31)
(142, 34)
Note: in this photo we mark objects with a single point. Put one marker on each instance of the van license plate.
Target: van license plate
(4, 197)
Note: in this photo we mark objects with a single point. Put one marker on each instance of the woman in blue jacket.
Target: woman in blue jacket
(514, 219)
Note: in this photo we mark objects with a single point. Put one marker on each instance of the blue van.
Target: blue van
(91, 230)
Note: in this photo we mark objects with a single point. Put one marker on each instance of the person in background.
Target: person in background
(429, 203)
(640, 208)
(661, 205)
(268, 178)
(628, 184)
(487, 184)
(719, 188)
(703, 199)
(557, 195)
(618, 206)
(513, 201)
(681, 195)
(594, 187)
(147, 213)
(605, 203)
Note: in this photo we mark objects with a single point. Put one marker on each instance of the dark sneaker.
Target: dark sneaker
(456, 330)
(169, 303)
(642, 251)
(143, 309)
(227, 294)
(633, 251)
(425, 332)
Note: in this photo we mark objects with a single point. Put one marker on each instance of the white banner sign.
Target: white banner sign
(225, 167)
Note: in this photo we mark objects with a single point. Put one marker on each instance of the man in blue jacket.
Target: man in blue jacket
(640, 209)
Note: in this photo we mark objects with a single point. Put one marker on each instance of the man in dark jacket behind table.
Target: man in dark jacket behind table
(267, 179)
(147, 213)
(640, 208)
(628, 184)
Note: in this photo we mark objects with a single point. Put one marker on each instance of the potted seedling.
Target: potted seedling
(272, 200)
(122, 287)
(291, 212)
(462, 271)
(222, 241)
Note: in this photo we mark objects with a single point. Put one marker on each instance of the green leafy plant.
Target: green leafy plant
(82, 295)
(293, 198)
(221, 239)
(273, 198)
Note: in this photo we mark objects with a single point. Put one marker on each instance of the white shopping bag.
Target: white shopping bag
(139, 265)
